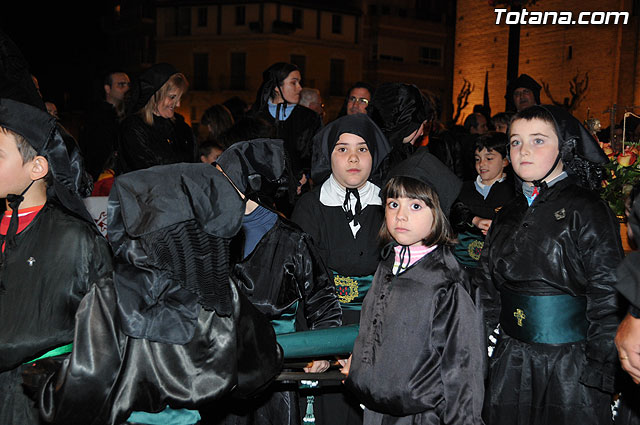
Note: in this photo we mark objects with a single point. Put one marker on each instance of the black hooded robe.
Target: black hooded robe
(566, 242)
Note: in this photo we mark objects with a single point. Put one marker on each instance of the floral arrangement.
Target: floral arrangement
(622, 173)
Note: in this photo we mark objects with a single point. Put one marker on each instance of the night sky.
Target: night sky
(64, 46)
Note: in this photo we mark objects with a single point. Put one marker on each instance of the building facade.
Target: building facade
(553, 55)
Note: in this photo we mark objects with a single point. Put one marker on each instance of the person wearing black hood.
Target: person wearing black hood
(153, 133)
(170, 332)
(400, 112)
(280, 271)
(547, 273)
(277, 102)
(343, 216)
(51, 251)
(522, 92)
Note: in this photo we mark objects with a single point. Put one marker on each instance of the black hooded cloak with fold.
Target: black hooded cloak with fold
(566, 243)
(172, 329)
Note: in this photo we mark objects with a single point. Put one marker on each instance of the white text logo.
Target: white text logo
(562, 18)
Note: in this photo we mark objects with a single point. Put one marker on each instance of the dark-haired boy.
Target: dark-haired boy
(51, 251)
(480, 199)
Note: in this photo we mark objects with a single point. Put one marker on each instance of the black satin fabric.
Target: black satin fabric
(285, 267)
(420, 352)
(628, 278)
(110, 374)
(566, 242)
(165, 142)
(152, 303)
(38, 307)
(37, 310)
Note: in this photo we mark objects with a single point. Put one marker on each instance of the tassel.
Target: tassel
(309, 417)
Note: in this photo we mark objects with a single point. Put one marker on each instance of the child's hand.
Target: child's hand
(317, 366)
(482, 224)
(346, 365)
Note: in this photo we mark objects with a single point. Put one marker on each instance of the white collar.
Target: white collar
(332, 194)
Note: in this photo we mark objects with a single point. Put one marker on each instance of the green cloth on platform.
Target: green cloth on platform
(319, 342)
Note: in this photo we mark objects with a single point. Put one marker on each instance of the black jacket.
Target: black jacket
(56, 260)
(165, 142)
(470, 203)
(99, 137)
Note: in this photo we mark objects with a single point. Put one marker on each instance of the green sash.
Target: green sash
(64, 349)
(468, 249)
(351, 290)
(548, 319)
(286, 323)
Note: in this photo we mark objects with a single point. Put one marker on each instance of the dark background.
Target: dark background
(65, 45)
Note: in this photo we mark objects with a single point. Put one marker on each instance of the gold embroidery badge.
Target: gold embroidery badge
(346, 288)
(520, 316)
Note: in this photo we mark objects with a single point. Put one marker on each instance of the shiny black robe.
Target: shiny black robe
(420, 355)
(38, 306)
(110, 374)
(566, 242)
(284, 268)
(144, 339)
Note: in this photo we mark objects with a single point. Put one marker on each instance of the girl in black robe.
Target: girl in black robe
(419, 357)
(343, 223)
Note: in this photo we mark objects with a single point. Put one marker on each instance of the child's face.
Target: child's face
(408, 220)
(14, 175)
(533, 146)
(213, 155)
(489, 165)
(351, 161)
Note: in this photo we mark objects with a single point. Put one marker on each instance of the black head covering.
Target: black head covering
(148, 83)
(580, 152)
(522, 81)
(169, 227)
(571, 131)
(429, 170)
(325, 140)
(398, 109)
(244, 162)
